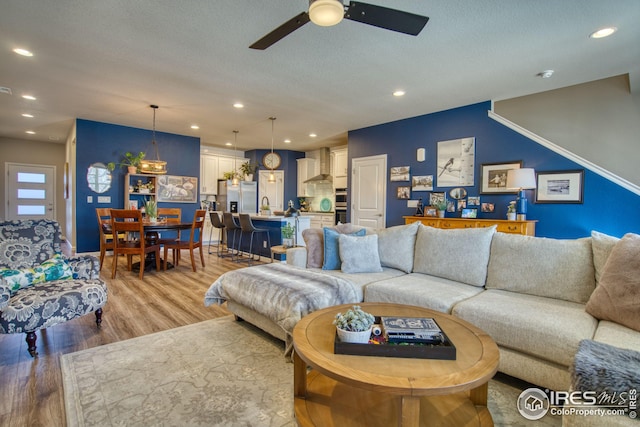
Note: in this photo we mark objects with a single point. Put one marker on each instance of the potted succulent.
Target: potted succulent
(511, 211)
(441, 205)
(354, 325)
(248, 169)
(265, 210)
(130, 161)
(287, 235)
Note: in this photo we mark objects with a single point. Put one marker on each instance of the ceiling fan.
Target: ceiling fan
(331, 12)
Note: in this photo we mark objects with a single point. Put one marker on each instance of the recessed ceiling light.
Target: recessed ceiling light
(398, 93)
(238, 105)
(195, 127)
(312, 135)
(23, 52)
(603, 32)
(228, 144)
(30, 116)
(54, 138)
(287, 141)
(30, 132)
(29, 97)
(545, 74)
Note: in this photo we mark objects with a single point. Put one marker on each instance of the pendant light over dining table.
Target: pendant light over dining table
(272, 176)
(156, 167)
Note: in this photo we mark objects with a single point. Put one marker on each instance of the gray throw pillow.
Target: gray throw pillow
(396, 246)
(359, 254)
(458, 254)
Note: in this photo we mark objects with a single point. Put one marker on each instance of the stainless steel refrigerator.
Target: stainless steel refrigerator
(241, 199)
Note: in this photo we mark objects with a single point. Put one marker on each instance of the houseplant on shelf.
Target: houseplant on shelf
(248, 169)
(354, 325)
(130, 161)
(287, 235)
(511, 211)
(441, 205)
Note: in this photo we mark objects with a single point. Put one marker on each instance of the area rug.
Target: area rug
(214, 373)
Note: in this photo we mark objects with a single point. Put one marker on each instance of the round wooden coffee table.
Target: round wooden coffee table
(345, 390)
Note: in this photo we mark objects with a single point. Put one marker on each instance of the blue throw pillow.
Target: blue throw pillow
(332, 248)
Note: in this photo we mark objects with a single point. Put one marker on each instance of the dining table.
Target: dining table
(152, 232)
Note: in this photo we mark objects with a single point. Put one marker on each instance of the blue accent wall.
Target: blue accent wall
(103, 142)
(606, 206)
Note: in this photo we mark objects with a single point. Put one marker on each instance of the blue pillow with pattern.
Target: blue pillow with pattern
(55, 268)
(332, 248)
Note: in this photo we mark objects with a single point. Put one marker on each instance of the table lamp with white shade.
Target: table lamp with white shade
(521, 179)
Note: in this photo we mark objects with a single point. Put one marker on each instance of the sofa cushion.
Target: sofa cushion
(422, 290)
(615, 334)
(547, 328)
(396, 246)
(602, 244)
(359, 254)
(618, 296)
(332, 249)
(54, 268)
(461, 255)
(314, 242)
(561, 269)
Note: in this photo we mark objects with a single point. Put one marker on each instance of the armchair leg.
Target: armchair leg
(31, 343)
(99, 317)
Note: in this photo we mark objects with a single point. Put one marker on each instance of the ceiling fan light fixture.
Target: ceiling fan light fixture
(326, 12)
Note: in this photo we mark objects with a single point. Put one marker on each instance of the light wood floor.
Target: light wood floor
(31, 388)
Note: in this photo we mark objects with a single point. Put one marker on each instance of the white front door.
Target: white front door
(273, 191)
(30, 192)
(369, 190)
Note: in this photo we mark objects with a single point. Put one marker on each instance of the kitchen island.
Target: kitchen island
(274, 224)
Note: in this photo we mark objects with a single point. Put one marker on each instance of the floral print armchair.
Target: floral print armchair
(39, 287)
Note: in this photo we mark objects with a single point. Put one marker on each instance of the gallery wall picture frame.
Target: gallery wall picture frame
(494, 177)
(422, 183)
(560, 186)
(469, 213)
(177, 189)
(431, 211)
(404, 193)
(400, 173)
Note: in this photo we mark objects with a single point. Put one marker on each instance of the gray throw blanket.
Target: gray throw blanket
(282, 293)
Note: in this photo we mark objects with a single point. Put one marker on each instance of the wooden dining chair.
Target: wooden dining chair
(172, 216)
(194, 242)
(129, 222)
(106, 239)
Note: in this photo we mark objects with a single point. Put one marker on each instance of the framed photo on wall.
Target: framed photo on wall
(560, 186)
(177, 189)
(494, 177)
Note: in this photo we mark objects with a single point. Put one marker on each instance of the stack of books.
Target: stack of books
(409, 330)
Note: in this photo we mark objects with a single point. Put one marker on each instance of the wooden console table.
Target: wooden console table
(527, 228)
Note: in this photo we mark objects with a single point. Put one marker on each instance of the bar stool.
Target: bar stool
(246, 226)
(217, 223)
(232, 227)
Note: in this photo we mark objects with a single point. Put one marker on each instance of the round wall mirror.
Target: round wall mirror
(99, 177)
(458, 193)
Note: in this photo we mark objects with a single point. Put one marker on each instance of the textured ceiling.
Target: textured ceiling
(108, 60)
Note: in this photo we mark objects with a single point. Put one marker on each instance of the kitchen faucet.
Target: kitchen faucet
(262, 203)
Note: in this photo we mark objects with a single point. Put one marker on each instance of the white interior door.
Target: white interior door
(274, 191)
(368, 191)
(30, 192)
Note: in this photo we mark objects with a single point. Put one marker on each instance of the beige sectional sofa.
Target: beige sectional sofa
(528, 293)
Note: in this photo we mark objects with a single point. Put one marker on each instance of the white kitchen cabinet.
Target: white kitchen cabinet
(321, 220)
(306, 170)
(340, 167)
(273, 191)
(227, 164)
(208, 174)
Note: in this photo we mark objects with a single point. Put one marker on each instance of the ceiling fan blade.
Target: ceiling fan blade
(383, 17)
(282, 31)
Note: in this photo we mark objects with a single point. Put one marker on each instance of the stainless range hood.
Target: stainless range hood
(325, 173)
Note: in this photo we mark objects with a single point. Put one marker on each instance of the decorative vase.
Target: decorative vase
(248, 177)
(441, 214)
(287, 243)
(511, 216)
(359, 337)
